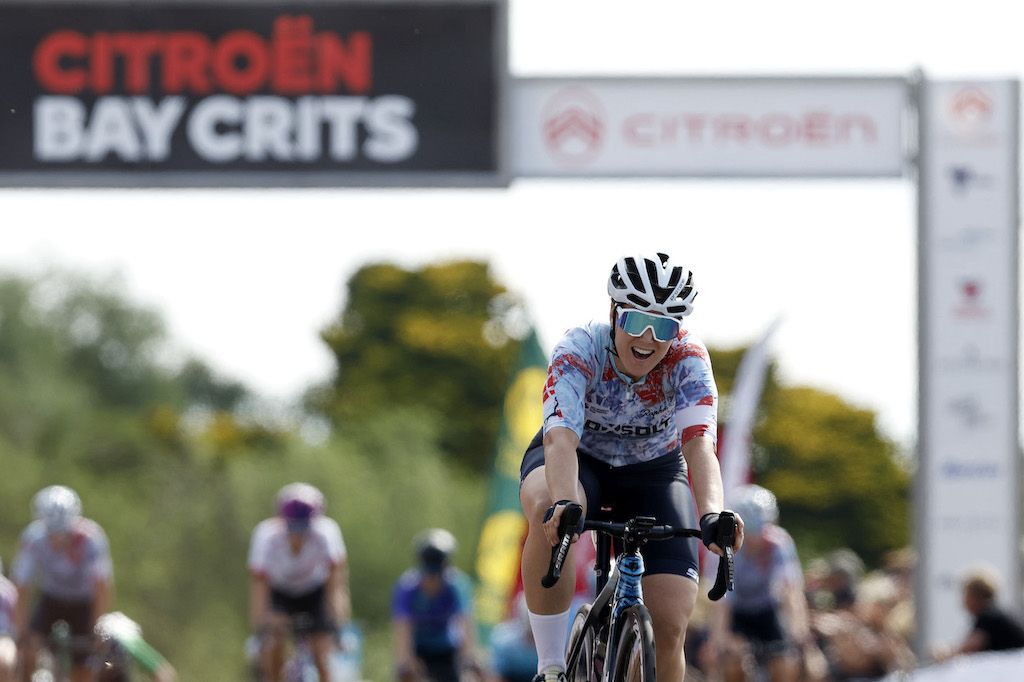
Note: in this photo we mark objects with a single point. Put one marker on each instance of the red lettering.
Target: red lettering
(101, 64)
(733, 126)
(670, 129)
(292, 47)
(695, 125)
(353, 65)
(186, 54)
(816, 127)
(848, 124)
(294, 61)
(231, 75)
(636, 129)
(46, 62)
(136, 48)
(777, 129)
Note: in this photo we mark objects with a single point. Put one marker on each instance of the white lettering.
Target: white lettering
(58, 125)
(157, 124)
(393, 137)
(111, 131)
(307, 129)
(223, 129)
(209, 143)
(268, 124)
(342, 115)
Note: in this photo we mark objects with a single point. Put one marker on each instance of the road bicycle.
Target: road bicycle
(612, 638)
(54, 660)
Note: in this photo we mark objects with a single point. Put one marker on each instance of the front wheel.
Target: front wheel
(634, 658)
(584, 663)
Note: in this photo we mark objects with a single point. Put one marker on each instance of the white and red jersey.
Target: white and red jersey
(620, 421)
(68, 571)
(291, 573)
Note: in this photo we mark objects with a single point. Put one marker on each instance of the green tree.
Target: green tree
(433, 340)
(838, 479)
(177, 464)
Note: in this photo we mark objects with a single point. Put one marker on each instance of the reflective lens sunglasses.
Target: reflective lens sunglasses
(636, 322)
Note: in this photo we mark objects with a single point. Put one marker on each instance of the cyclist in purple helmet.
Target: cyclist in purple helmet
(298, 578)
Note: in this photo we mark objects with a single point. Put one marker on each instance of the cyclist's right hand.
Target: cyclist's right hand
(553, 517)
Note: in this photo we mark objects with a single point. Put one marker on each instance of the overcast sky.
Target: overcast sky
(247, 278)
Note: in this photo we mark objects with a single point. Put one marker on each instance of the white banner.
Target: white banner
(740, 127)
(743, 405)
(1000, 665)
(968, 496)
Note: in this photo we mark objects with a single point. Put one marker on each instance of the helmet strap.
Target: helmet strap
(611, 331)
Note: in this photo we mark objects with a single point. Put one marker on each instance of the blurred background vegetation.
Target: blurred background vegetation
(178, 463)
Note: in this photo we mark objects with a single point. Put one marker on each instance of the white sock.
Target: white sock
(549, 633)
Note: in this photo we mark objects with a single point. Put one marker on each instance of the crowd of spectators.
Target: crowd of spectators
(862, 624)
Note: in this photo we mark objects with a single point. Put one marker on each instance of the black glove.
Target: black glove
(709, 529)
(569, 504)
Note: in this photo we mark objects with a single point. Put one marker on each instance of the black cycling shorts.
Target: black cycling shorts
(657, 488)
(440, 666)
(761, 628)
(308, 611)
(77, 614)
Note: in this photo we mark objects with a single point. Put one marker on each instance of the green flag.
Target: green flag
(501, 538)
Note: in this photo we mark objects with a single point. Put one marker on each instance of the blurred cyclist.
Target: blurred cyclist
(434, 633)
(8, 645)
(630, 408)
(67, 558)
(299, 579)
(120, 643)
(767, 613)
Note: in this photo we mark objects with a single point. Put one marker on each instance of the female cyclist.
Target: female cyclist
(630, 408)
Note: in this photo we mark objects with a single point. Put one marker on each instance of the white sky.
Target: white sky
(247, 278)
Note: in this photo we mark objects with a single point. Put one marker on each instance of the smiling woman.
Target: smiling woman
(630, 412)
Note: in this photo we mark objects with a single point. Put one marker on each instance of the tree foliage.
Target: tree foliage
(838, 479)
(431, 339)
(178, 465)
(170, 460)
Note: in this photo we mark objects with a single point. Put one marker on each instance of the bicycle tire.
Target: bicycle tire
(582, 648)
(635, 652)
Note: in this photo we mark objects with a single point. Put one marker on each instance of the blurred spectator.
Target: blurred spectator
(994, 629)
(8, 637)
(512, 652)
(845, 568)
(764, 621)
(858, 642)
(434, 630)
(900, 565)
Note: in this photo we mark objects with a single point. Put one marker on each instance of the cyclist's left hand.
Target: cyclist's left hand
(709, 531)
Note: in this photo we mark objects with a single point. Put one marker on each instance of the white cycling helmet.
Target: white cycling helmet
(653, 284)
(57, 506)
(434, 549)
(757, 507)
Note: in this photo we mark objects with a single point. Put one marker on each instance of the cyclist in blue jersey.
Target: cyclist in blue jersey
(764, 621)
(630, 411)
(434, 632)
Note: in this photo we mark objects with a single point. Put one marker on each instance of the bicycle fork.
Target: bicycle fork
(628, 592)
